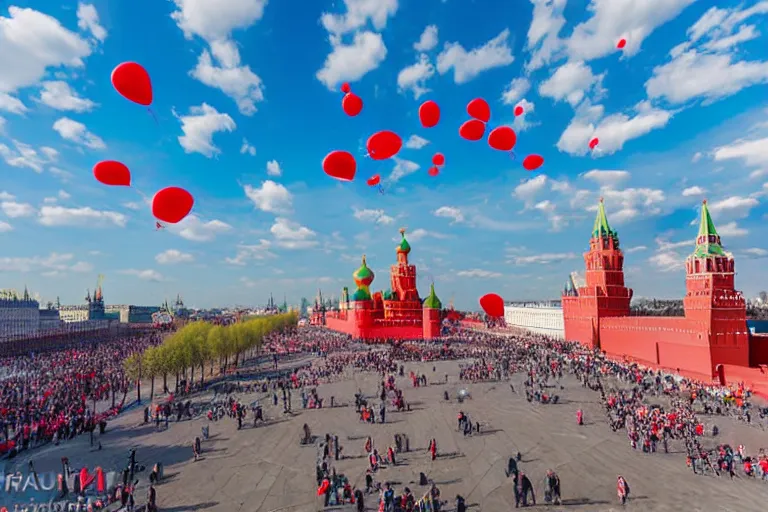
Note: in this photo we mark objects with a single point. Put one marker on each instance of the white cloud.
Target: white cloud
(529, 188)
(271, 197)
(420, 234)
(11, 104)
(375, 216)
(273, 169)
(753, 152)
(414, 77)
(416, 142)
(58, 95)
(696, 157)
(54, 262)
(221, 67)
(76, 132)
(733, 207)
(515, 91)
(88, 19)
(708, 65)
(612, 20)
(756, 252)
(466, 65)
(246, 148)
(132, 205)
(543, 259)
(637, 248)
(571, 82)
(50, 200)
(194, 229)
(246, 253)
(60, 174)
(543, 41)
(477, 273)
(15, 210)
(173, 256)
(606, 178)
(63, 195)
(23, 157)
(199, 128)
(5, 227)
(428, 39)
(144, 275)
(667, 261)
(351, 62)
(693, 191)
(31, 43)
(613, 131)
(292, 235)
(731, 229)
(56, 216)
(549, 209)
(402, 169)
(359, 13)
(449, 212)
(632, 202)
(6, 196)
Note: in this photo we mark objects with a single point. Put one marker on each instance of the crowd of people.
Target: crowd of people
(54, 396)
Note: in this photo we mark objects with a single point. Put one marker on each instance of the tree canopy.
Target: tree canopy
(198, 343)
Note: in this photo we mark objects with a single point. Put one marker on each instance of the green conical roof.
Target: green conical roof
(404, 245)
(601, 227)
(708, 241)
(432, 302)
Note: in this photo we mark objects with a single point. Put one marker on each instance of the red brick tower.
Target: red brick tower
(604, 294)
(403, 302)
(711, 299)
(431, 316)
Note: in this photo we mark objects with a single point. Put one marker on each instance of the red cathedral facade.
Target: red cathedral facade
(397, 313)
(712, 339)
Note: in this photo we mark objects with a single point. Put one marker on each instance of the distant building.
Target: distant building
(19, 316)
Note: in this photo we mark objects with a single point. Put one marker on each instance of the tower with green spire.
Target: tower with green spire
(431, 315)
(604, 293)
(711, 300)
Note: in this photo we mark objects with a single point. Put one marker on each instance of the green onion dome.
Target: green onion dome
(432, 302)
(361, 294)
(363, 276)
(404, 246)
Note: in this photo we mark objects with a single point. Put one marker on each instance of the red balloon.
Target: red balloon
(532, 162)
(374, 180)
(429, 114)
(110, 172)
(479, 109)
(438, 159)
(345, 88)
(594, 142)
(621, 44)
(340, 165)
(384, 144)
(172, 204)
(502, 138)
(472, 129)
(133, 83)
(492, 304)
(518, 110)
(352, 104)
(433, 171)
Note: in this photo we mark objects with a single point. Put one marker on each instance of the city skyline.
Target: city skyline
(679, 113)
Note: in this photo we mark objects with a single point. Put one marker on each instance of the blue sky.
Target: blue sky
(248, 104)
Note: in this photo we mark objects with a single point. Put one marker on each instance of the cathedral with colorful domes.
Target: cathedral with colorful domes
(397, 313)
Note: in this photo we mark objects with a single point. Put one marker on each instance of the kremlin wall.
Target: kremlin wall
(711, 341)
(398, 313)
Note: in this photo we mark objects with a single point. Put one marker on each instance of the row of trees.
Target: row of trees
(198, 344)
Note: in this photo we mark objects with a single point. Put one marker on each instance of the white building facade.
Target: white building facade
(537, 317)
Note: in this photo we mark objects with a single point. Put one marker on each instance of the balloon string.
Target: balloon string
(152, 113)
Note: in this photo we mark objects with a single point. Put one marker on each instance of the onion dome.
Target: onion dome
(432, 302)
(404, 247)
(363, 276)
(388, 295)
